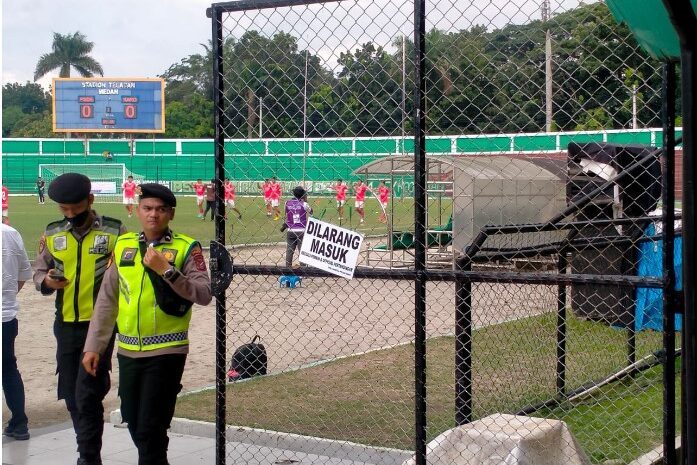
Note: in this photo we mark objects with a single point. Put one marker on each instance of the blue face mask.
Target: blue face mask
(79, 219)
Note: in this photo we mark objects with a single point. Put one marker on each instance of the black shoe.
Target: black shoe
(84, 461)
(20, 433)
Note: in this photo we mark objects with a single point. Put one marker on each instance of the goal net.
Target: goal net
(107, 178)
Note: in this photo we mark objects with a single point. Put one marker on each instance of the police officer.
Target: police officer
(73, 256)
(155, 277)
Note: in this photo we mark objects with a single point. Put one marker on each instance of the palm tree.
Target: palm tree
(69, 51)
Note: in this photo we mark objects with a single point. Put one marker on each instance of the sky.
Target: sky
(143, 38)
(132, 38)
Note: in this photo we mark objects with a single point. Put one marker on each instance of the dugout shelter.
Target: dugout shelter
(482, 190)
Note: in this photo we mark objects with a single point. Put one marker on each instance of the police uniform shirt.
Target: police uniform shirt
(192, 284)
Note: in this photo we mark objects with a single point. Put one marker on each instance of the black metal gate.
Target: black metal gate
(526, 319)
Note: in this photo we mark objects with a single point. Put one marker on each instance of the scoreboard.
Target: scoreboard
(108, 105)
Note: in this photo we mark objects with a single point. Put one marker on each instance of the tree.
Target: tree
(35, 125)
(69, 51)
(30, 97)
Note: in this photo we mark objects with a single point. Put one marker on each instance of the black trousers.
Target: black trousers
(12, 384)
(148, 389)
(83, 393)
(210, 205)
(294, 240)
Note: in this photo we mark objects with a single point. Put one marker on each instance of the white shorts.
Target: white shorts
(129, 200)
(360, 203)
(5, 212)
(267, 201)
(275, 202)
(230, 203)
(340, 203)
(200, 199)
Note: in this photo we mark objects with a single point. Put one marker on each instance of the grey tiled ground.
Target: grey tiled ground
(56, 446)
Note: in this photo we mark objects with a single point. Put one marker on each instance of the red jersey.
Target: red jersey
(200, 189)
(360, 192)
(129, 189)
(229, 191)
(341, 191)
(276, 191)
(267, 190)
(383, 194)
(5, 195)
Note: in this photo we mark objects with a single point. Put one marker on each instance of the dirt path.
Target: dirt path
(324, 318)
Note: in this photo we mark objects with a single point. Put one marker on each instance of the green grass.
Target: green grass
(30, 219)
(369, 398)
(606, 423)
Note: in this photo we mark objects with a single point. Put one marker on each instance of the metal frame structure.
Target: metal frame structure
(463, 276)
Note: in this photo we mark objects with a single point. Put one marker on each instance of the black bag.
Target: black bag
(247, 361)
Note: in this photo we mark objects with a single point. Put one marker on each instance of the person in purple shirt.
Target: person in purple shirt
(297, 213)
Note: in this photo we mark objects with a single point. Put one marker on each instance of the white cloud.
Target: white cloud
(142, 38)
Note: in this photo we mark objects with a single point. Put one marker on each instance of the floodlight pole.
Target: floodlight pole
(634, 121)
(305, 118)
(546, 14)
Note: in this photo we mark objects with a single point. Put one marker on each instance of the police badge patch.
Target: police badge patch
(100, 245)
(60, 243)
(170, 255)
(128, 257)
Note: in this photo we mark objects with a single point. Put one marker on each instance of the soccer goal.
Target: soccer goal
(107, 178)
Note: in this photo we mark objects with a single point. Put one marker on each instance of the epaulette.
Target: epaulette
(111, 225)
(56, 227)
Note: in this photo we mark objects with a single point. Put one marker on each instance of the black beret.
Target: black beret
(158, 191)
(69, 188)
(298, 192)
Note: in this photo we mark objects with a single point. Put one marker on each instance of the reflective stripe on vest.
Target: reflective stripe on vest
(83, 263)
(141, 323)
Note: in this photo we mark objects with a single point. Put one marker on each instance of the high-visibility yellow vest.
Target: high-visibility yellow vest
(83, 262)
(141, 323)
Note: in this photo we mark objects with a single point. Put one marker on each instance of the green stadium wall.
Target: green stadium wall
(185, 160)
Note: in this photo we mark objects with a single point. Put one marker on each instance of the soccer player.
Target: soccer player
(230, 198)
(5, 205)
(276, 192)
(266, 189)
(40, 188)
(360, 188)
(200, 189)
(384, 198)
(74, 253)
(129, 195)
(341, 188)
(155, 278)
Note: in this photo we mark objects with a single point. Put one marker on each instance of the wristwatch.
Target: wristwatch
(169, 273)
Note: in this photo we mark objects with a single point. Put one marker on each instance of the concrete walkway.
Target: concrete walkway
(55, 445)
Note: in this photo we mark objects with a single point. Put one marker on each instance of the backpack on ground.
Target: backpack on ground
(248, 360)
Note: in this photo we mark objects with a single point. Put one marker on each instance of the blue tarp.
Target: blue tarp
(649, 301)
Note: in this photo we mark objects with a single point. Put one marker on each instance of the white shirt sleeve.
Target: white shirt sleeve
(24, 272)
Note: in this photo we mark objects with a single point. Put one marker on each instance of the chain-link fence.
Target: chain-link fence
(510, 305)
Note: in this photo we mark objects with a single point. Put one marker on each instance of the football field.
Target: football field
(30, 218)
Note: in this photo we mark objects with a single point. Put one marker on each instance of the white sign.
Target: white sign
(103, 187)
(330, 248)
